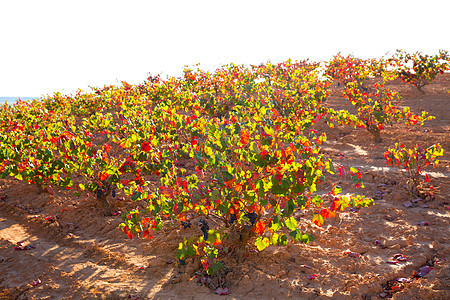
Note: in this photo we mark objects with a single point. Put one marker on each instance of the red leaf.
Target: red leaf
(145, 146)
(342, 171)
(146, 234)
(128, 232)
(185, 186)
(51, 218)
(199, 171)
(353, 254)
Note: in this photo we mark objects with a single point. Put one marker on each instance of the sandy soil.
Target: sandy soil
(75, 252)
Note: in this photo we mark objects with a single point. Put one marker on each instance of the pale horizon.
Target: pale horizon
(57, 46)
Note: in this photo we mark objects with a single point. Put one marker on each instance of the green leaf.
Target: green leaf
(282, 240)
(336, 190)
(306, 238)
(329, 167)
(262, 243)
(268, 130)
(275, 225)
(190, 250)
(215, 195)
(317, 200)
(274, 238)
(291, 223)
(136, 196)
(296, 235)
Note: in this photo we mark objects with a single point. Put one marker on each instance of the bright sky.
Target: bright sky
(48, 46)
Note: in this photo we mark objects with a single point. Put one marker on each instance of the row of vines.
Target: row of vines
(233, 152)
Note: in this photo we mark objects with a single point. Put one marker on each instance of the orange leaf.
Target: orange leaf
(260, 227)
(103, 176)
(229, 183)
(245, 137)
(326, 213)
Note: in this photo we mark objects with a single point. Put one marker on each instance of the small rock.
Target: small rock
(407, 204)
(397, 197)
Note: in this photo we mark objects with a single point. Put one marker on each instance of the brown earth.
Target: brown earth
(79, 253)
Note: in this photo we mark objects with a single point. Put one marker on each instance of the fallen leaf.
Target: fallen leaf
(311, 277)
(352, 254)
(425, 270)
(28, 247)
(305, 266)
(221, 291)
(388, 217)
(440, 260)
(399, 257)
(396, 288)
(423, 224)
(51, 218)
(36, 282)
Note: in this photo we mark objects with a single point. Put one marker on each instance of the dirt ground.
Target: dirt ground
(75, 252)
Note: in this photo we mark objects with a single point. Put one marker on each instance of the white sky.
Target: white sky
(48, 46)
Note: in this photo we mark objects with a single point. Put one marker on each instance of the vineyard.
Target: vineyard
(294, 180)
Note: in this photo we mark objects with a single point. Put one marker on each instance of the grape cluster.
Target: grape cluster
(99, 193)
(186, 224)
(251, 217)
(232, 218)
(204, 227)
